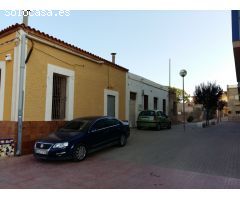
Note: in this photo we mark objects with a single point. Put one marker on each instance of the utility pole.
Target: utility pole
(21, 89)
(169, 73)
(169, 88)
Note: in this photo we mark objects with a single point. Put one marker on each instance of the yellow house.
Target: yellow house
(61, 82)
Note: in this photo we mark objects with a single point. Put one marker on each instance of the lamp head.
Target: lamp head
(183, 73)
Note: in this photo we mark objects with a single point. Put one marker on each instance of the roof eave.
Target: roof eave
(44, 36)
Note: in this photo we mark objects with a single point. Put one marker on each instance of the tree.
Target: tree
(208, 95)
(220, 106)
(179, 95)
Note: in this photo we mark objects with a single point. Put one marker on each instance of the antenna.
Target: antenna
(169, 73)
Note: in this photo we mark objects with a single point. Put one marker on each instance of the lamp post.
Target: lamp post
(183, 73)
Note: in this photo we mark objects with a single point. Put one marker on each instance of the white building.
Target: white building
(143, 94)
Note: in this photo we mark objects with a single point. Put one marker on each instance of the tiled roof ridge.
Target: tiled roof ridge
(58, 41)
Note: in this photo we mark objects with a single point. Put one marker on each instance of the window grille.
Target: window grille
(145, 102)
(59, 97)
(133, 96)
(155, 103)
(164, 106)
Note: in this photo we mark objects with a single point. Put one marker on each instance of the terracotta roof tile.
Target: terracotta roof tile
(50, 38)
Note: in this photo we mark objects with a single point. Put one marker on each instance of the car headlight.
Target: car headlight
(60, 145)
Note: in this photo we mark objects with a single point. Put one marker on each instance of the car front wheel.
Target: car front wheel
(123, 140)
(80, 152)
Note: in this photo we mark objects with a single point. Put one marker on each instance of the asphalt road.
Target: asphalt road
(197, 158)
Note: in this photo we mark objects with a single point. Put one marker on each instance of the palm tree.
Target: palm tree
(208, 95)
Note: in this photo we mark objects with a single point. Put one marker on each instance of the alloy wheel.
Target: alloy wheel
(123, 140)
(80, 152)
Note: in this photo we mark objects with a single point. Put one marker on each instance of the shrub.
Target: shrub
(213, 123)
(190, 119)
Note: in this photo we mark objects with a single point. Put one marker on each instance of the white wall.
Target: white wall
(139, 85)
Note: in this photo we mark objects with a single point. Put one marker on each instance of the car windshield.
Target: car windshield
(75, 125)
(147, 113)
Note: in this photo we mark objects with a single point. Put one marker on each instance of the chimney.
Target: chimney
(113, 57)
(25, 17)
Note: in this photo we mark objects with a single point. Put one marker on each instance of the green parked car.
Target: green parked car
(153, 119)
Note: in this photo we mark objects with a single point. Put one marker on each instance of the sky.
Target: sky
(198, 41)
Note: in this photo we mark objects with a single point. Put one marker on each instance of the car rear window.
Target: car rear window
(147, 113)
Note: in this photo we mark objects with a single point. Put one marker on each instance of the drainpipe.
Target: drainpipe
(21, 94)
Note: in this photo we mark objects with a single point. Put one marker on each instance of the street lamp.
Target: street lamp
(183, 73)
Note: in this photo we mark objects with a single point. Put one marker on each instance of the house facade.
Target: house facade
(236, 43)
(61, 82)
(224, 112)
(191, 109)
(233, 102)
(143, 94)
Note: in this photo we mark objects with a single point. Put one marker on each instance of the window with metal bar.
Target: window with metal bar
(133, 95)
(59, 97)
(164, 106)
(155, 103)
(145, 102)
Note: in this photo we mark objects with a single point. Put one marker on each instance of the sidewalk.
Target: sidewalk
(212, 122)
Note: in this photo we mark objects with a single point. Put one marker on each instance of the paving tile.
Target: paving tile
(197, 158)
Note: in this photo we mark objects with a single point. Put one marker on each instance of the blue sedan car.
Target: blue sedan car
(82, 136)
